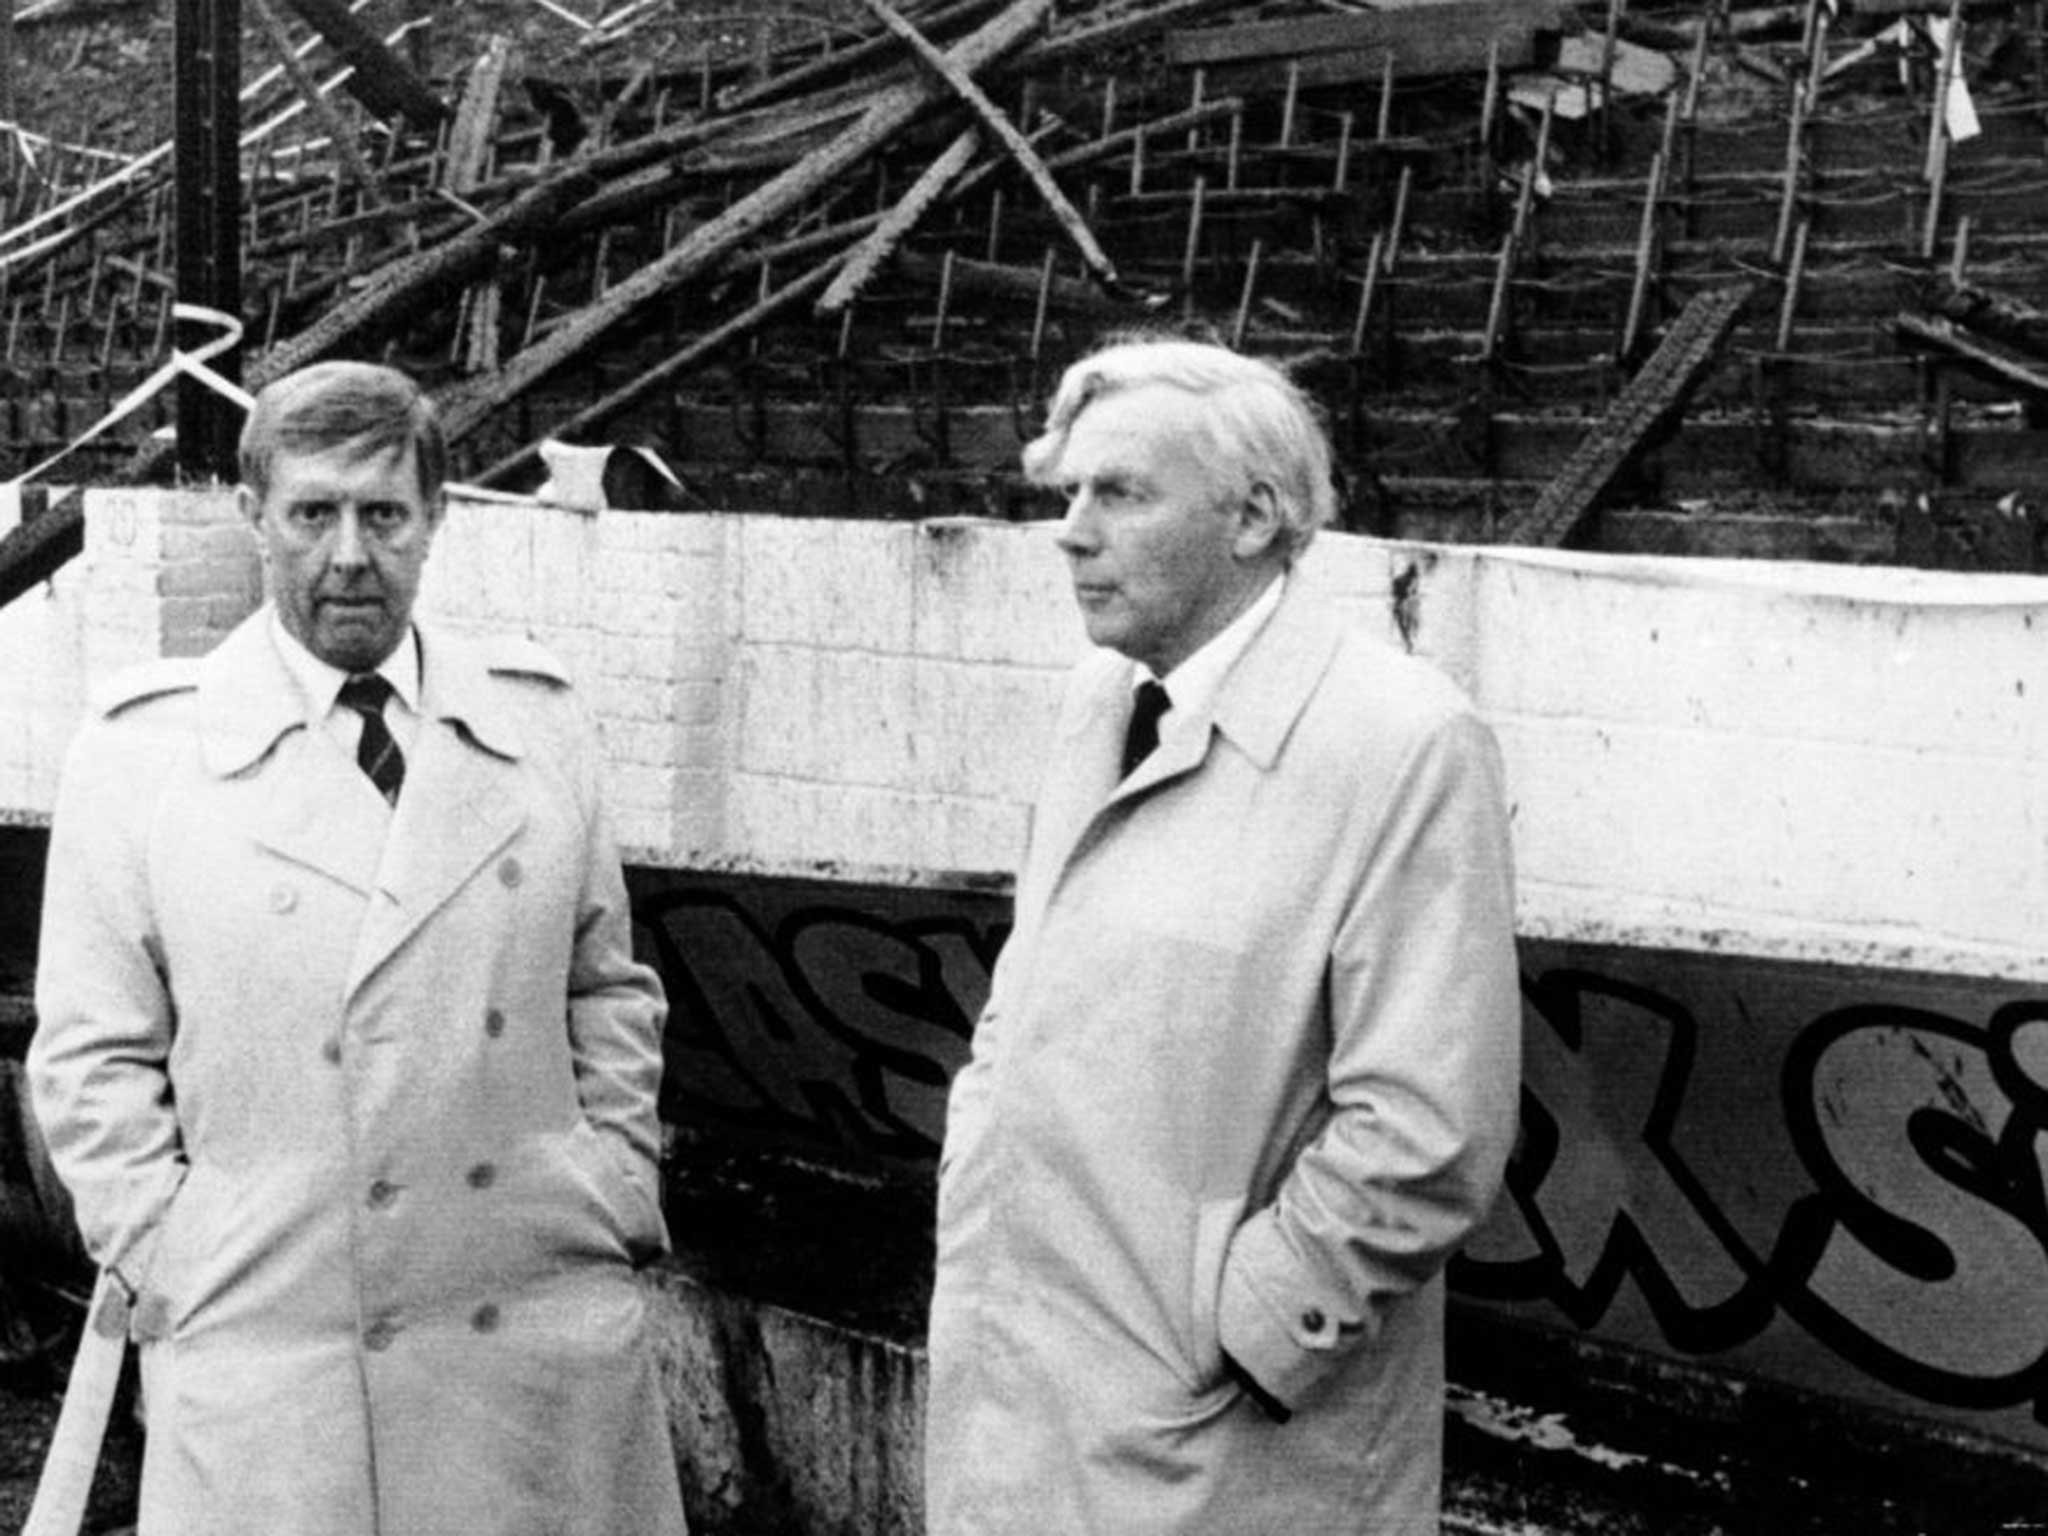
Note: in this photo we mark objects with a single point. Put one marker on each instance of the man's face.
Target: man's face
(344, 535)
(1155, 551)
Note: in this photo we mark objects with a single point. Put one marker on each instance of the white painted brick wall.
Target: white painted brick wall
(160, 575)
(1816, 762)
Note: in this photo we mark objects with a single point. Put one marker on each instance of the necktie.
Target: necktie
(1143, 734)
(376, 754)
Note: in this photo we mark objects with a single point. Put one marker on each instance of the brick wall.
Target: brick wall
(1819, 762)
(160, 575)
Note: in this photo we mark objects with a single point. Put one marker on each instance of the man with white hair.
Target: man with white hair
(1248, 1070)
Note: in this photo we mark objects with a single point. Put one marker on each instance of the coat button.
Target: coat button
(331, 1053)
(483, 1176)
(509, 873)
(485, 1318)
(1313, 1320)
(380, 1334)
(282, 899)
(494, 1023)
(382, 1193)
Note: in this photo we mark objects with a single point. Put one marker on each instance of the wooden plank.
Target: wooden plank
(875, 248)
(1428, 53)
(2000, 363)
(347, 151)
(892, 111)
(1472, 22)
(2000, 316)
(1658, 390)
(998, 124)
(382, 82)
(476, 117)
(34, 549)
(682, 361)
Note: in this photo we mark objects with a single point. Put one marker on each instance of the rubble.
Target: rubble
(855, 253)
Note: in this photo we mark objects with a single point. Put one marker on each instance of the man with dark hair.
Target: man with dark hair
(1248, 1069)
(342, 1049)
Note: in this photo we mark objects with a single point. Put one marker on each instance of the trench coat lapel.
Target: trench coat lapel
(311, 812)
(1256, 707)
(458, 808)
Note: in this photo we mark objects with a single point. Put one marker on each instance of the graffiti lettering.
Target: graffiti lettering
(1603, 1191)
(1923, 1255)
(818, 1024)
(1716, 1155)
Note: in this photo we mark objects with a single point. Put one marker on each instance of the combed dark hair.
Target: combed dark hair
(331, 404)
(1250, 422)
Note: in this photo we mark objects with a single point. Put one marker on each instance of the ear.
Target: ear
(1259, 523)
(250, 506)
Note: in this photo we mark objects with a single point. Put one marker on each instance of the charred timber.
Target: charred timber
(381, 81)
(2004, 319)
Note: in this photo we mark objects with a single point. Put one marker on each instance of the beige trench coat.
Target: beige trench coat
(360, 1104)
(1246, 1077)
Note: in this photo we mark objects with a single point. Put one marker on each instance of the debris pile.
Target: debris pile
(1683, 274)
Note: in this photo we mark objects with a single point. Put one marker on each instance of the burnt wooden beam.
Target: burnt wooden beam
(381, 81)
(1656, 393)
(476, 117)
(34, 549)
(890, 112)
(1988, 357)
(875, 248)
(399, 288)
(2007, 320)
(7, 60)
(1432, 38)
(1005, 133)
(346, 150)
(636, 389)
(1000, 282)
(1090, 40)
(849, 62)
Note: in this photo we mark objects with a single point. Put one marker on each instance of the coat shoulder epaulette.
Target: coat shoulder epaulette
(149, 680)
(515, 657)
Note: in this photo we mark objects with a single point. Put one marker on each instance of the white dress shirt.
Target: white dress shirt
(322, 686)
(1192, 685)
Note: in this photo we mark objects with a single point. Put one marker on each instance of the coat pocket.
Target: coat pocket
(163, 1290)
(1216, 1223)
(632, 1204)
(564, 1201)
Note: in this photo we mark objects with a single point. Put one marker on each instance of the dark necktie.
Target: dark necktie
(1143, 734)
(376, 754)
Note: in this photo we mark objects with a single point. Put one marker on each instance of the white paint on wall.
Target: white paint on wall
(1814, 762)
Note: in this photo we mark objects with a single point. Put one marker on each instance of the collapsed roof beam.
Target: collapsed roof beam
(381, 81)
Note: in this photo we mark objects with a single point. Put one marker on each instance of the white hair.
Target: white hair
(1249, 423)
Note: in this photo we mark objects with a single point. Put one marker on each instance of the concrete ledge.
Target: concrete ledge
(788, 1423)
(792, 1344)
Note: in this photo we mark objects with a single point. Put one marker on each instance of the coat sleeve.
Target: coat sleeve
(1424, 1073)
(616, 1007)
(99, 1060)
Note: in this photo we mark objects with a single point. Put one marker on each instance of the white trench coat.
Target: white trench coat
(1246, 1077)
(360, 1104)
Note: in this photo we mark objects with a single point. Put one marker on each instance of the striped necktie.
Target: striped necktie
(376, 754)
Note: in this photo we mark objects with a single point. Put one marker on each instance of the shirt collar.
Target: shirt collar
(1192, 686)
(322, 683)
